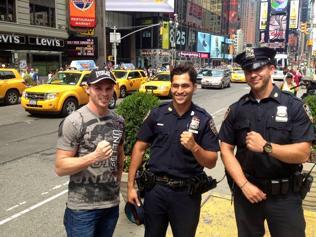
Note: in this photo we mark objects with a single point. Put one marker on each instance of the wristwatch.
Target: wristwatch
(267, 148)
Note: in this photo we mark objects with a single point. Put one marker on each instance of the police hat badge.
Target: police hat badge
(250, 53)
(134, 213)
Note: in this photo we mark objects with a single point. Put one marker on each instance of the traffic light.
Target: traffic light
(110, 58)
(304, 27)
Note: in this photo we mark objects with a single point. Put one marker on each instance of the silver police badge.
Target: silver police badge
(281, 114)
(250, 53)
(194, 125)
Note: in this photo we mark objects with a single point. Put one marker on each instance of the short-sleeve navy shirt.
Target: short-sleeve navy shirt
(280, 119)
(162, 129)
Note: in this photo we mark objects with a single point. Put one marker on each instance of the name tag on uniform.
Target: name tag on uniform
(160, 124)
(281, 114)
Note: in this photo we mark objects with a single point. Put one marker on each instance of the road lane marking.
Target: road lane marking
(32, 207)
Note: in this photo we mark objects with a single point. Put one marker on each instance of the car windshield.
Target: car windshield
(239, 72)
(65, 78)
(216, 73)
(161, 77)
(203, 72)
(120, 74)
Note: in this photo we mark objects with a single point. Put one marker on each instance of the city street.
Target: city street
(33, 197)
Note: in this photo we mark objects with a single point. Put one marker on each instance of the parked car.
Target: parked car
(63, 94)
(201, 74)
(238, 76)
(129, 81)
(11, 86)
(217, 78)
(277, 75)
(159, 85)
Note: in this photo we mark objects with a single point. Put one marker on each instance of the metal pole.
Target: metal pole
(114, 48)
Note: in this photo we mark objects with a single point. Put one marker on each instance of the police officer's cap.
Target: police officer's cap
(254, 58)
(134, 213)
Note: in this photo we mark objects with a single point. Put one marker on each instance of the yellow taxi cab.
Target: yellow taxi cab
(129, 80)
(11, 86)
(159, 85)
(63, 94)
(238, 76)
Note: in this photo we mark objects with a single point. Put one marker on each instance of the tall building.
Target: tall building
(248, 18)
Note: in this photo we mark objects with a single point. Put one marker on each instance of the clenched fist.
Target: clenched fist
(103, 151)
(187, 140)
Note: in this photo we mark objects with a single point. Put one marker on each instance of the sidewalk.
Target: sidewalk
(217, 219)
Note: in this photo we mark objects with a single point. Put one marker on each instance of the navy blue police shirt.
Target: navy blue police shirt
(162, 129)
(281, 118)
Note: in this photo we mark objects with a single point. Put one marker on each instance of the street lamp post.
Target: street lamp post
(174, 26)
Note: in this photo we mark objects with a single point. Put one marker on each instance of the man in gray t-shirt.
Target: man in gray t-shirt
(90, 150)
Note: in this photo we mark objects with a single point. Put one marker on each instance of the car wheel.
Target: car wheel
(112, 102)
(11, 97)
(123, 91)
(69, 106)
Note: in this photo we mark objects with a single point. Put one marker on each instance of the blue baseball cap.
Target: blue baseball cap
(134, 213)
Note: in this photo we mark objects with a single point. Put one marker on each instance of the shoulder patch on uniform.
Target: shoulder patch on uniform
(308, 112)
(146, 116)
(227, 113)
(213, 127)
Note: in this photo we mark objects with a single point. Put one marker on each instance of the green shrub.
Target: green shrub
(311, 102)
(134, 108)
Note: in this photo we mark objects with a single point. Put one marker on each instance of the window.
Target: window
(42, 13)
(4, 75)
(7, 10)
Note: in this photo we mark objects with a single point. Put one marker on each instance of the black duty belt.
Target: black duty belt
(170, 182)
(280, 186)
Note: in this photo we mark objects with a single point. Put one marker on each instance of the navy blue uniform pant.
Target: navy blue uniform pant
(163, 205)
(284, 215)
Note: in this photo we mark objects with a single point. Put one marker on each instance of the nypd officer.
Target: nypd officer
(273, 132)
(183, 140)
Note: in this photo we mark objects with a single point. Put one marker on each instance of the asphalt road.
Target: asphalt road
(32, 196)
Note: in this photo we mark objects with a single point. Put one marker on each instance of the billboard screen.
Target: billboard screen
(82, 13)
(140, 5)
(203, 45)
(216, 46)
(278, 6)
(294, 14)
(82, 47)
(263, 15)
(277, 27)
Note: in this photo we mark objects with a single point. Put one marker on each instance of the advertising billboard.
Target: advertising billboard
(263, 15)
(82, 13)
(216, 46)
(82, 47)
(165, 35)
(294, 14)
(140, 5)
(203, 44)
(278, 6)
(277, 27)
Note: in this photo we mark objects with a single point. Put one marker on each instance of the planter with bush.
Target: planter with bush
(311, 102)
(133, 109)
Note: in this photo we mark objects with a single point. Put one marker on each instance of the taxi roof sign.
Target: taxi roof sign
(82, 65)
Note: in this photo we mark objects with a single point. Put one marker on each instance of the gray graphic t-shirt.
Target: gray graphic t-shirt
(97, 186)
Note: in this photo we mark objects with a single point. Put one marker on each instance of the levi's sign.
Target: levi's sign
(47, 42)
(12, 39)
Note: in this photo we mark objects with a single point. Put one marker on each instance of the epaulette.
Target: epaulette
(243, 97)
(291, 95)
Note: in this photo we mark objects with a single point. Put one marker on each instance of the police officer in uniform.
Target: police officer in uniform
(183, 140)
(273, 132)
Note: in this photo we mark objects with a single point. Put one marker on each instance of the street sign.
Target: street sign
(115, 38)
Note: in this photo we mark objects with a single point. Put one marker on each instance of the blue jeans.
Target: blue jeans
(91, 223)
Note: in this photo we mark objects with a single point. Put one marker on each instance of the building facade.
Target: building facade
(33, 33)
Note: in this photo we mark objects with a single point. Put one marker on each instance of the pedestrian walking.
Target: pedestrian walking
(272, 131)
(90, 151)
(183, 140)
